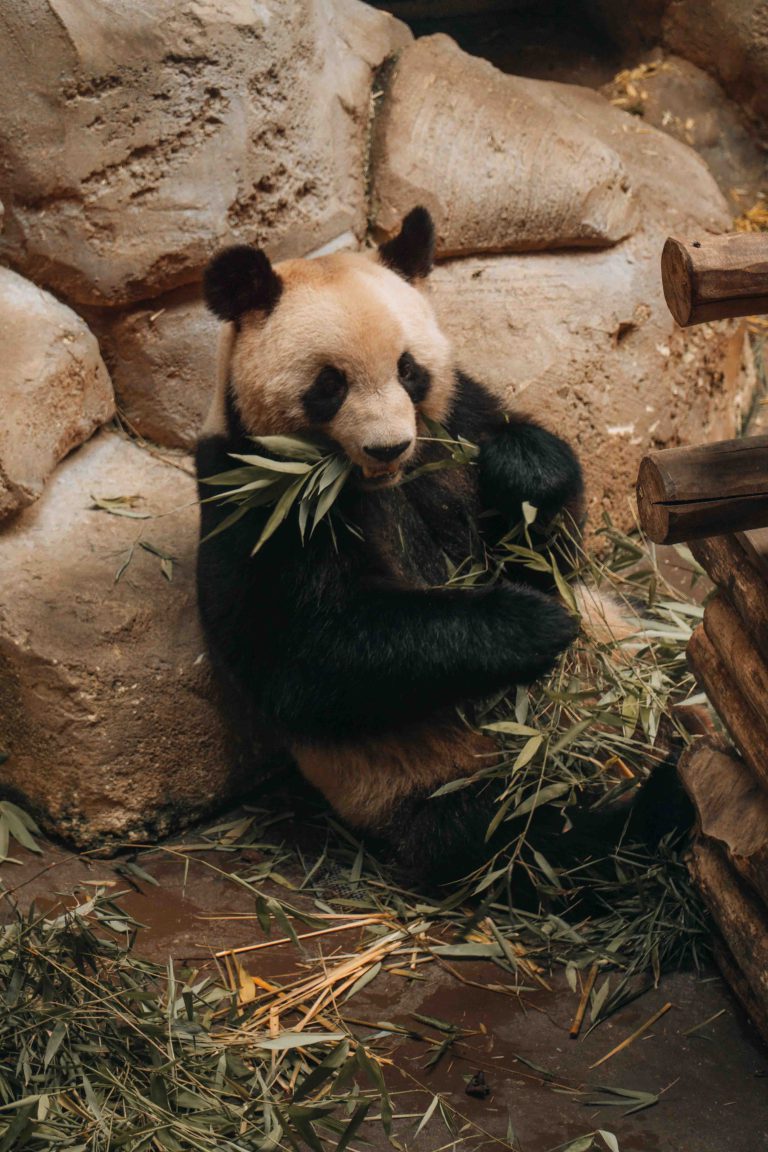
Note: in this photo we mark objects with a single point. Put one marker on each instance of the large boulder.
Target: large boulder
(54, 388)
(136, 138)
(730, 39)
(501, 168)
(106, 710)
(686, 102)
(162, 359)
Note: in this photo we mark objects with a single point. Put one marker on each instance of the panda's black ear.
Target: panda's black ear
(241, 279)
(412, 252)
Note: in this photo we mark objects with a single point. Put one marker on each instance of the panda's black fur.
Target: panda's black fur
(331, 640)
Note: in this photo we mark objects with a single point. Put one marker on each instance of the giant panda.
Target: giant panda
(347, 649)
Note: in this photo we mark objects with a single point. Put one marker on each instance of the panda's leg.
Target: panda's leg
(439, 840)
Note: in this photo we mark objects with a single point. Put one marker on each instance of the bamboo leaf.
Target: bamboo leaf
(290, 1040)
(295, 467)
(279, 513)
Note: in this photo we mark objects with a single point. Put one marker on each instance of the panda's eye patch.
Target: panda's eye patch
(413, 377)
(326, 395)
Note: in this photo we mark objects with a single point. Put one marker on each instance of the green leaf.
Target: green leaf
(294, 447)
(427, 1115)
(366, 978)
(529, 750)
(279, 513)
(295, 467)
(227, 522)
(511, 728)
(18, 826)
(290, 1040)
(542, 796)
(356, 1120)
(328, 497)
(324, 1071)
(55, 1041)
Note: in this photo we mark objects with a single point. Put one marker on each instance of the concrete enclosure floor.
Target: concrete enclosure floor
(703, 1058)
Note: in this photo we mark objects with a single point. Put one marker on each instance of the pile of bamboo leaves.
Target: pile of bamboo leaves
(101, 1050)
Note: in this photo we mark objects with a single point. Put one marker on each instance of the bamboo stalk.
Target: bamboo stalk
(302, 936)
(586, 991)
(635, 1035)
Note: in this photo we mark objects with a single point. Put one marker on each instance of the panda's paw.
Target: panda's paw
(527, 464)
(536, 629)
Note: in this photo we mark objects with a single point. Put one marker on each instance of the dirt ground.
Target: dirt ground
(702, 1059)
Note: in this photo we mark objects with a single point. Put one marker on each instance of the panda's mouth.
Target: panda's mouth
(374, 481)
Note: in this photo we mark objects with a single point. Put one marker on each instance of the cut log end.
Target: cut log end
(715, 277)
(676, 279)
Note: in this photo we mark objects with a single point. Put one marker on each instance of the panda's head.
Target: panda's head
(344, 346)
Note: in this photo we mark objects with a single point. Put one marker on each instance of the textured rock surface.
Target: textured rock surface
(54, 388)
(162, 357)
(499, 166)
(136, 138)
(686, 102)
(584, 340)
(105, 705)
(729, 38)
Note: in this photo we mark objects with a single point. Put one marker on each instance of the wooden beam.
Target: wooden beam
(743, 661)
(732, 974)
(690, 493)
(730, 567)
(747, 728)
(731, 809)
(740, 917)
(713, 277)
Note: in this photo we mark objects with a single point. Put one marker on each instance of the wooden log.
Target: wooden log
(748, 730)
(745, 666)
(755, 544)
(731, 809)
(741, 919)
(734, 977)
(728, 565)
(689, 493)
(713, 277)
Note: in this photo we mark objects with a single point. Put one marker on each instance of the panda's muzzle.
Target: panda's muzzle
(388, 460)
(387, 452)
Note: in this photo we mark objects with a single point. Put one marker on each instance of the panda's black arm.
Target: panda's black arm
(322, 652)
(519, 460)
(368, 659)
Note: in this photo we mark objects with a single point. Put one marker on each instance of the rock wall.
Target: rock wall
(138, 139)
(106, 708)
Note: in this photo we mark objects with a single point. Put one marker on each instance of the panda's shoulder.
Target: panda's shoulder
(475, 409)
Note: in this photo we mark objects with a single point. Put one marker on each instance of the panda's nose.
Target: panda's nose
(386, 452)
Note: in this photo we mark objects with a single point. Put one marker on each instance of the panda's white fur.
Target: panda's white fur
(348, 310)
